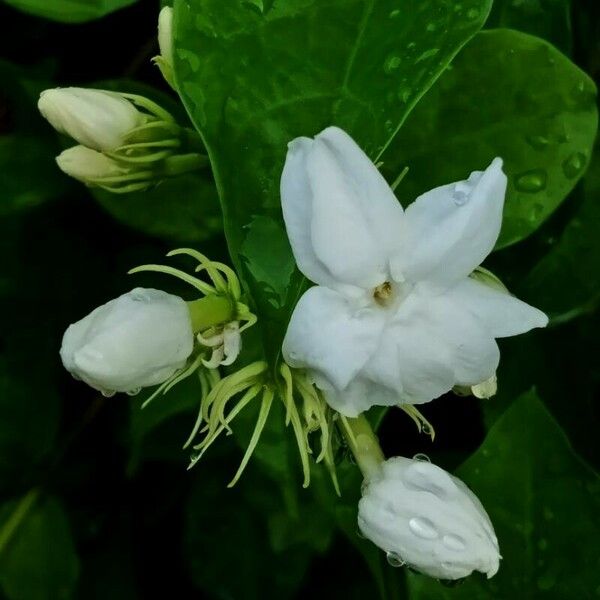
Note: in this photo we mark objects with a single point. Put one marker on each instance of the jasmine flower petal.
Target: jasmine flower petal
(449, 230)
(503, 314)
(328, 335)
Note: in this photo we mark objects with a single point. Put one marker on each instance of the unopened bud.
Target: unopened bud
(97, 119)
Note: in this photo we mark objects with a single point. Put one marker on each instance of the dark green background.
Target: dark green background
(116, 515)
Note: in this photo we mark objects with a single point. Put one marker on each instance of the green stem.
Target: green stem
(210, 311)
(182, 163)
(17, 517)
(364, 444)
(191, 141)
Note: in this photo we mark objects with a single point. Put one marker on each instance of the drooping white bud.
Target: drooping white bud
(136, 340)
(428, 519)
(165, 34)
(88, 166)
(165, 59)
(97, 119)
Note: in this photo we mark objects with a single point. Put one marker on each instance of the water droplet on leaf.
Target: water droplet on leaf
(427, 54)
(395, 13)
(472, 13)
(531, 181)
(539, 142)
(392, 63)
(537, 210)
(573, 165)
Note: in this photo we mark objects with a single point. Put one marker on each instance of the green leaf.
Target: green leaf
(548, 19)
(512, 95)
(227, 543)
(37, 555)
(28, 172)
(543, 501)
(564, 281)
(69, 11)
(181, 210)
(253, 76)
(181, 401)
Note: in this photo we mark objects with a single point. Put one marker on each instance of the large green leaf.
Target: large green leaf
(229, 548)
(254, 75)
(37, 556)
(548, 19)
(69, 11)
(564, 282)
(544, 503)
(507, 94)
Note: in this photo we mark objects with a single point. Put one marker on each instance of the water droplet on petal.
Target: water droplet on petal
(573, 165)
(423, 528)
(531, 181)
(421, 457)
(454, 542)
(452, 583)
(134, 392)
(460, 193)
(360, 534)
(395, 560)
(108, 393)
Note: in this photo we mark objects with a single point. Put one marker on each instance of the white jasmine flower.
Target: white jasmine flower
(97, 119)
(89, 166)
(395, 317)
(136, 340)
(427, 519)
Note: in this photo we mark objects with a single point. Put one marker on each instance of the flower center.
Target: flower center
(383, 294)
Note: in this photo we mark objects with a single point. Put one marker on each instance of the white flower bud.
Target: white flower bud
(86, 165)
(136, 340)
(428, 519)
(95, 118)
(165, 34)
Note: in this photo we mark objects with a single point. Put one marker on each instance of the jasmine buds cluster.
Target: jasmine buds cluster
(127, 142)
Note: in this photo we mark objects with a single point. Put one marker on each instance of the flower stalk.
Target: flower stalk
(363, 443)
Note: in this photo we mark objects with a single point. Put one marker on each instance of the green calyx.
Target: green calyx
(157, 149)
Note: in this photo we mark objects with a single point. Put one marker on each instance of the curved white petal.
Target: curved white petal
(504, 315)
(328, 335)
(412, 357)
(296, 203)
(475, 354)
(449, 230)
(360, 395)
(342, 218)
(378, 203)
